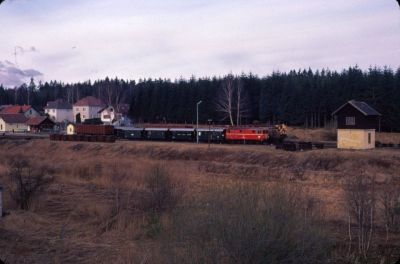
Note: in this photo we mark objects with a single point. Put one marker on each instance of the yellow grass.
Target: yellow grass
(322, 134)
(66, 223)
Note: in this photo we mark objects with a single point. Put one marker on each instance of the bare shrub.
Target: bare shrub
(360, 197)
(298, 172)
(162, 194)
(246, 224)
(27, 181)
(117, 209)
(146, 203)
(163, 191)
(83, 172)
(390, 201)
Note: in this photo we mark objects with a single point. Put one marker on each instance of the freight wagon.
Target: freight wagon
(88, 132)
(102, 130)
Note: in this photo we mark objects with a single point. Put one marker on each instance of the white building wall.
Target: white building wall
(107, 115)
(356, 138)
(2, 125)
(5, 127)
(60, 115)
(86, 112)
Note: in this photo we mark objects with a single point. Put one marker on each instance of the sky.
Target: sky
(78, 40)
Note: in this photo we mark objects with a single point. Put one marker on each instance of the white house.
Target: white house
(108, 115)
(59, 111)
(116, 116)
(87, 108)
(27, 110)
(13, 123)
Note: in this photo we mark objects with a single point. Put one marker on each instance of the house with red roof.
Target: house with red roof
(27, 110)
(87, 108)
(13, 123)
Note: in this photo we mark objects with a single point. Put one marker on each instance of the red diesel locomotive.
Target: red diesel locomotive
(250, 135)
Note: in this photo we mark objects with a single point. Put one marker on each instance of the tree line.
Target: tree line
(303, 97)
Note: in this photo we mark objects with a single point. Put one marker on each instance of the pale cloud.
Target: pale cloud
(80, 40)
(11, 75)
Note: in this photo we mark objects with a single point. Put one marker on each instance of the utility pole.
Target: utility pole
(1, 201)
(197, 120)
(209, 131)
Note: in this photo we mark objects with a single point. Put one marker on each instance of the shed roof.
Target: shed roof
(362, 107)
(14, 118)
(37, 120)
(58, 104)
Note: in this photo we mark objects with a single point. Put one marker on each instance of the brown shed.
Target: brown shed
(40, 123)
(356, 125)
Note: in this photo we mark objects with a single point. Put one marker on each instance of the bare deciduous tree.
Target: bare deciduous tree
(26, 182)
(225, 99)
(113, 93)
(361, 200)
(232, 101)
(390, 200)
(242, 104)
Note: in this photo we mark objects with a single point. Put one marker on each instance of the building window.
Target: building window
(83, 116)
(83, 109)
(350, 120)
(77, 109)
(369, 138)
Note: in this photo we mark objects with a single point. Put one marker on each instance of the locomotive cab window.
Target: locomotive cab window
(350, 120)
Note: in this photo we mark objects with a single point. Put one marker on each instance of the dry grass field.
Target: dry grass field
(95, 209)
(321, 134)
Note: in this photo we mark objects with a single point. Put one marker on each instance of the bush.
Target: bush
(360, 197)
(390, 204)
(26, 181)
(163, 193)
(246, 224)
